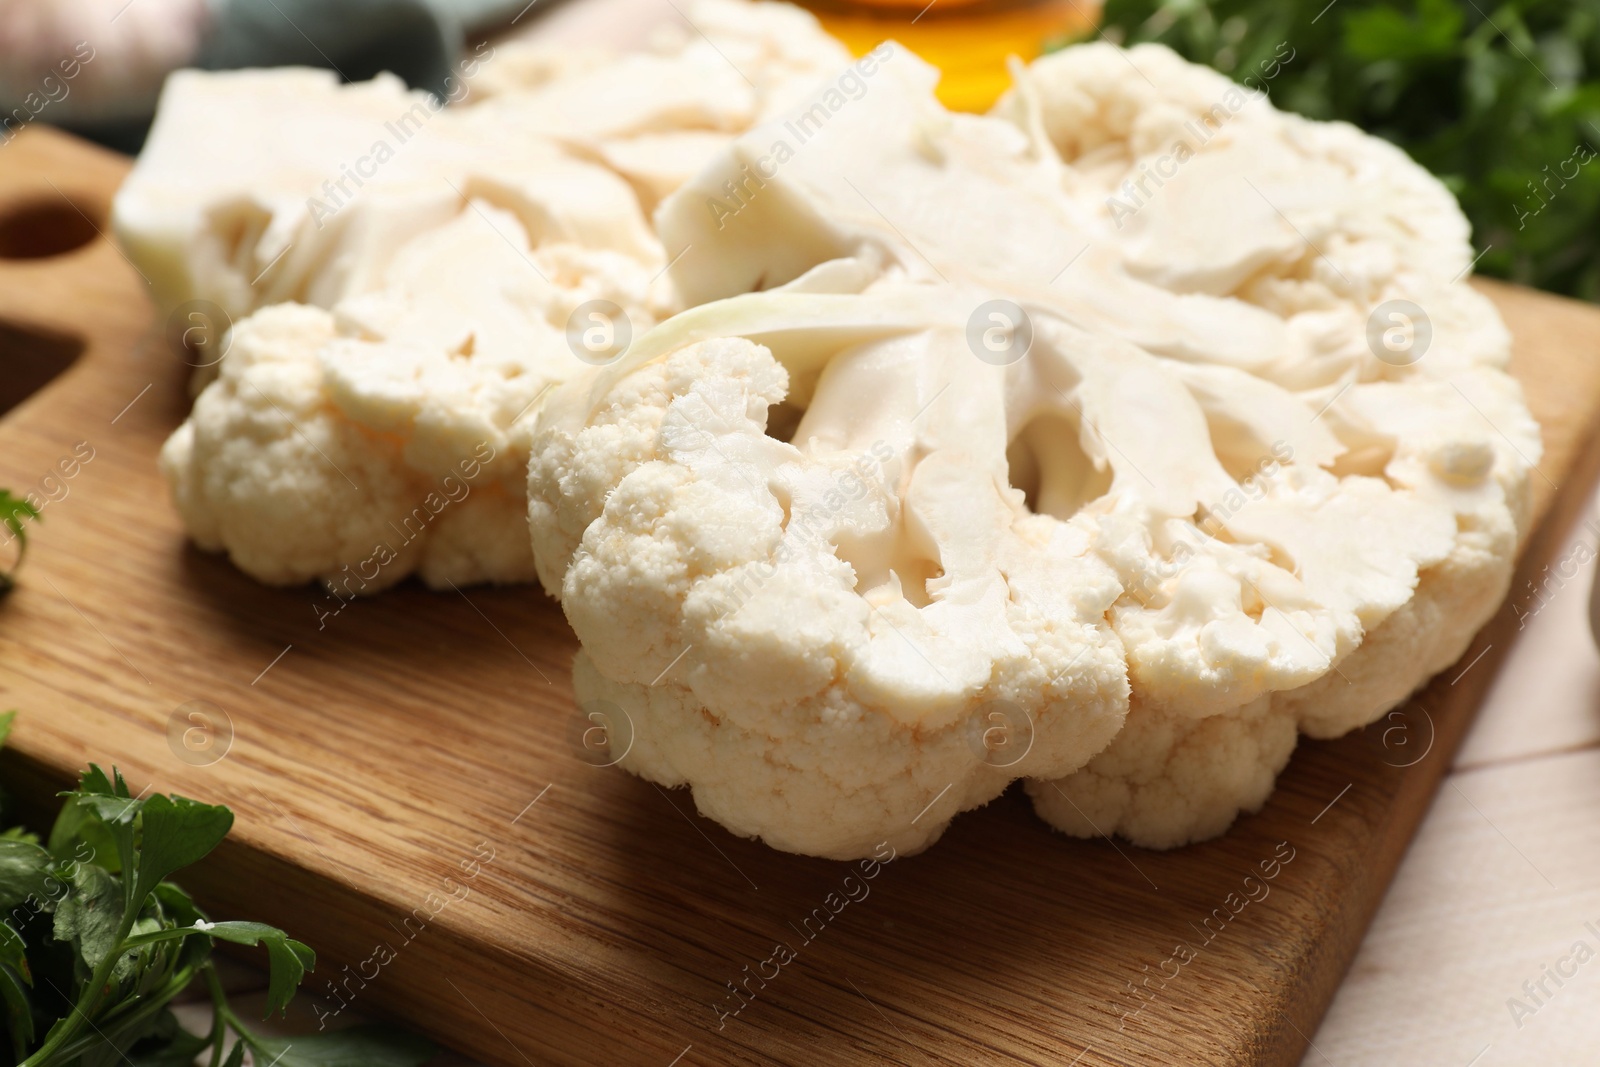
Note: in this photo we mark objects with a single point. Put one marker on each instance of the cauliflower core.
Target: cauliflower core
(402, 278)
(1303, 505)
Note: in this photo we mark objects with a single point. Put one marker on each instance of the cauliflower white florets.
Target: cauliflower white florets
(1303, 524)
(843, 559)
(453, 248)
(837, 640)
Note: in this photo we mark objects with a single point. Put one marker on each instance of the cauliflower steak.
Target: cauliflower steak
(852, 635)
(1309, 485)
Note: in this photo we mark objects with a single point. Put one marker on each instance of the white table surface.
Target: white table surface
(1503, 876)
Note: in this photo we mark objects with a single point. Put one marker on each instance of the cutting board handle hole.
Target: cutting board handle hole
(43, 227)
(32, 360)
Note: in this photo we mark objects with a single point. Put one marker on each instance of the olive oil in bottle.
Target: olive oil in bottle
(968, 40)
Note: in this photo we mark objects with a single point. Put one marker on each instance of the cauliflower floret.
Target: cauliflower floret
(732, 64)
(838, 640)
(1125, 142)
(264, 469)
(1168, 779)
(431, 381)
(1201, 186)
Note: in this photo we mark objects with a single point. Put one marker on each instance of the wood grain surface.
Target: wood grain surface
(406, 777)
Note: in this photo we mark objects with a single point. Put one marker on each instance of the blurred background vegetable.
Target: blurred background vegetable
(1501, 101)
(95, 66)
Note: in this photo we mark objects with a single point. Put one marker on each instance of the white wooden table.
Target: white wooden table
(1503, 880)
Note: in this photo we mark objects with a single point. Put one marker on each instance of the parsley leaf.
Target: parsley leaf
(112, 942)
(90, 916)
(15, 514)
(24, 872)
(177, 832)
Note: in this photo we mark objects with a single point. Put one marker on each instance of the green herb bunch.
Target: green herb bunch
(95, 944)
(1500, 100)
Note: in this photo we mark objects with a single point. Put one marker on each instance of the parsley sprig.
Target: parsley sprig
(95, 944)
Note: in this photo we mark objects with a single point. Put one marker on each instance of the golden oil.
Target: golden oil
(968, 40)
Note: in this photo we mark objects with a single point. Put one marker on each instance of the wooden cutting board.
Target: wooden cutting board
(411, 803)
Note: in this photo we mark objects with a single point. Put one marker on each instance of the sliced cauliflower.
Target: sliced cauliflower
(656, 116)
(331, 182)
(850, 636)
(1334, 511)
(388, 402)
(1279, 212)
(257, 187)
(454, 248)
(449, 271)
(725, 64)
